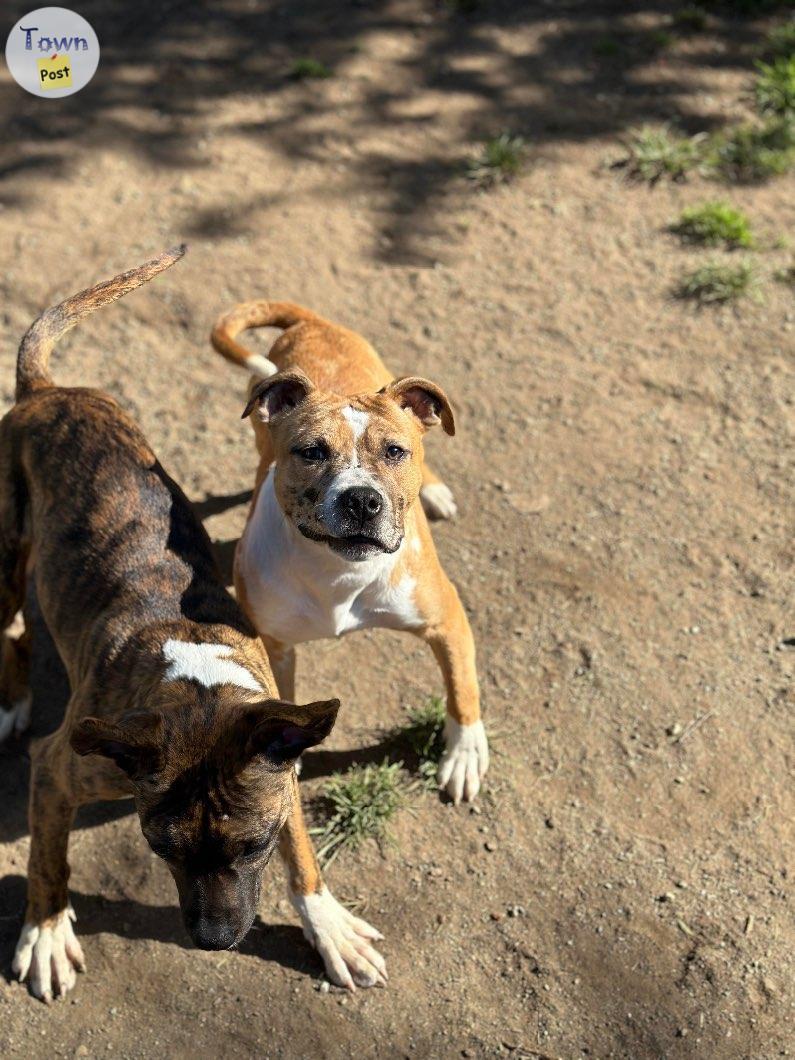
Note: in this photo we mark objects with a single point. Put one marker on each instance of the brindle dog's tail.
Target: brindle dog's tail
(33, 360)
(259, 314)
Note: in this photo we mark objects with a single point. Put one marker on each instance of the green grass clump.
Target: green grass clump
(750, 154)
(690, 19)
(362, 802)
(786, 275)
(499, 162)
(716, 282)
(654, 153)
(303, 69)
(780, 41)
(714, 224)
(424, 735)
(775, 87)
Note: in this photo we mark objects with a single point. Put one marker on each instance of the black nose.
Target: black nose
(361, 502)
(211, 934)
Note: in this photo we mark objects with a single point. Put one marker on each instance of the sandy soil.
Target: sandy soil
(623, 471)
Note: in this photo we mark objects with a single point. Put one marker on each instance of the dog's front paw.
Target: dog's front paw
(342, 940)
(465, 760)
(438, 501)
(15, 718)
(48, 955)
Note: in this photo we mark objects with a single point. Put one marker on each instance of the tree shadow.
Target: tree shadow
(553, 73)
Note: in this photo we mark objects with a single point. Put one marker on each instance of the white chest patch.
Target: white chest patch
(209, 664)
(299, 590)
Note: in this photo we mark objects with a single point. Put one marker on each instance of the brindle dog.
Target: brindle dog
(172, 694)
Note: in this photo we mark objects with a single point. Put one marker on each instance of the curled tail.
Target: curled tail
(33, 360)
(259, 314)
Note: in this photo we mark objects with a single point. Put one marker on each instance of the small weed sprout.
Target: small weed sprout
(654, 153)
(714, 224)
(780, 41)
(362, 803)
(775, 87)
(716, 282)
(499, 162)
(424, 736)
(690, 19)
(304, 69)
(750, 154)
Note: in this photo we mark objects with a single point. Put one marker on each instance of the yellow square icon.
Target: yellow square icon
(55, 72)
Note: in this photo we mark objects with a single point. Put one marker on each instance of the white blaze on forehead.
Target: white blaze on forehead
(357, 421)
(209, 664)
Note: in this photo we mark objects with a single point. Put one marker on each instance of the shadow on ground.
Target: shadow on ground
(166, 66)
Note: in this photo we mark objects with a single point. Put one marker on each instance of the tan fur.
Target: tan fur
(345, 370)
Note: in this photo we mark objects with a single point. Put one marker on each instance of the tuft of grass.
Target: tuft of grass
(786, 275)
(714, 224)
(775, 87)
(750, 154)
(423, 733)
(499, 162)
(463, 7)
(362, 803)
(690, 19)
(717, 282)
(658, 40)
(654, 153)
(303, 69)
(606, 47)
(780, 41)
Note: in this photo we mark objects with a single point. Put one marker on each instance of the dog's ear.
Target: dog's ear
(278, 393)
(134, 745)
(424, 399)
(283, 731)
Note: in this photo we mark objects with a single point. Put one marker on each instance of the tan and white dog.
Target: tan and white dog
(335, 540)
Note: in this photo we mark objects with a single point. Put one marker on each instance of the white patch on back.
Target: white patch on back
(209, 664)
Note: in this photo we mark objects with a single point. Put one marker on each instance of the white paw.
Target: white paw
(438, 501)
(48, 955)
(342, 940)
(465, 760)
(16, 719)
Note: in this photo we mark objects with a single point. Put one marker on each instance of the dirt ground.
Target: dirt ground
(624, 546)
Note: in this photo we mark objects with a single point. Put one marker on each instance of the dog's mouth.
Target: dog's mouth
(352, 546)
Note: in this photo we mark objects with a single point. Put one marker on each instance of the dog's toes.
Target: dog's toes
(465, 760)
(438, 501)
(343, 940)
(48, 956)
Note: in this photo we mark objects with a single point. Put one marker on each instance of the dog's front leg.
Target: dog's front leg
(466, 756)
(344, 941)
(48, 953)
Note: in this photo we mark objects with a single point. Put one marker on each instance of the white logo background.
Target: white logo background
(59, 30)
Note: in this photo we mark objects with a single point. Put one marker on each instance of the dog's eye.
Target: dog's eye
(395, 453)
(253, 851)
(313, 454)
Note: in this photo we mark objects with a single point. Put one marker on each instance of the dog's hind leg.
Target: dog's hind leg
(14, 654)
(48, 953)
(437, 498)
